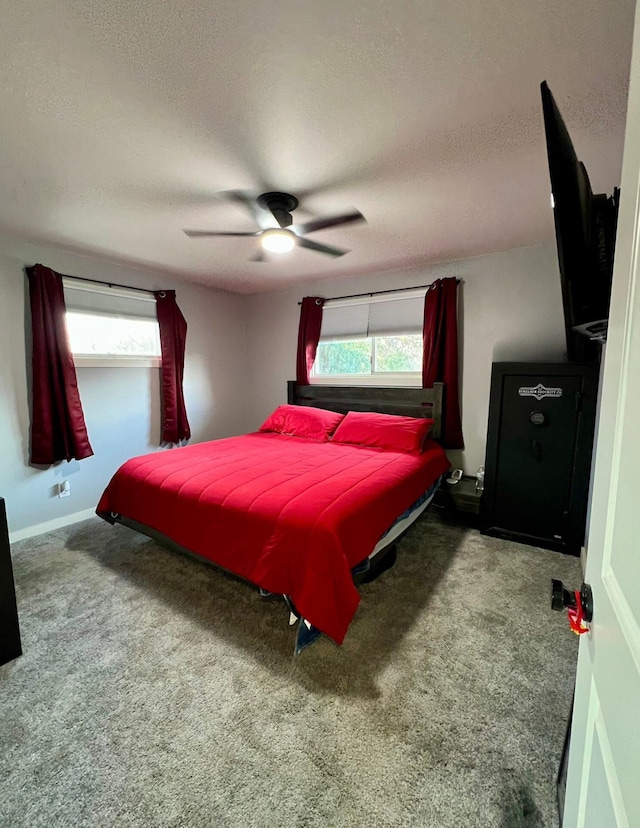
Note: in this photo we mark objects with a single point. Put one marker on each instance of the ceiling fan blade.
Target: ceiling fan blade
(240, 197)
(283, 218)
(320, 248)
(263, 218)
(199, 234)
(330, 221)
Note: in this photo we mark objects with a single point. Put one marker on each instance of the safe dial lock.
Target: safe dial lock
(537, 418)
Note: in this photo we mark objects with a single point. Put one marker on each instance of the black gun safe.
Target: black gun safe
(10, 646)
(539, 446)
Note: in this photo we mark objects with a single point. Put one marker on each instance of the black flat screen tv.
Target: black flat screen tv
(585, 235)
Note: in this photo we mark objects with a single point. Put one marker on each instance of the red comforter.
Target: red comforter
(289, 514)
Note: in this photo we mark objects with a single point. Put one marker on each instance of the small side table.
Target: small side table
(461, 500)
(465, 496)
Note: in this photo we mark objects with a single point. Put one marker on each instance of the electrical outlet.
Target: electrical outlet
(64, 489)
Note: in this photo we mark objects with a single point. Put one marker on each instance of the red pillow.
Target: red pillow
(385, 431)
(303, 421)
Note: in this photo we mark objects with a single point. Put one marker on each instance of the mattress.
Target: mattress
(404, 521)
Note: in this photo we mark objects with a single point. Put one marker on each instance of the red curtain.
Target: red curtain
(440, 357)
(308, 337)
(58, 430)
(173, 337)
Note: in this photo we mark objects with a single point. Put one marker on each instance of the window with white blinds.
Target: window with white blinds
(111, 326)
(371, 339)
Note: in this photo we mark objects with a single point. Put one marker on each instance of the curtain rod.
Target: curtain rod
(110, 284)
(378, 292)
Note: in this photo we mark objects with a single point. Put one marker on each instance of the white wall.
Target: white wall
(121, 405)
(510, 309)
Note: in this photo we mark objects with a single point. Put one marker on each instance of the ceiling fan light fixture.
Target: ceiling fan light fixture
(278, 241)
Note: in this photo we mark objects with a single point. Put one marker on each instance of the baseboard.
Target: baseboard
(50, 525)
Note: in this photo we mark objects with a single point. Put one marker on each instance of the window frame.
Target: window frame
(380, 378)
(114, 361)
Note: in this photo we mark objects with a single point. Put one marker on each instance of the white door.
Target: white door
(603, 784)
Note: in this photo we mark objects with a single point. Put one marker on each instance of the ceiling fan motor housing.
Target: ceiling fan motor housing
(281, 205)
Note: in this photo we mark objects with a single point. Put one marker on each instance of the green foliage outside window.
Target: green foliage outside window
(392, 354)
(344, 357)
(399, 353)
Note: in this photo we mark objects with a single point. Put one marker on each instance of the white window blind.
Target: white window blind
(87, 297)
(344, 322)
(384, 315)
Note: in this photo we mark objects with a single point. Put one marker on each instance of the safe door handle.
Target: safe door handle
(536, 451)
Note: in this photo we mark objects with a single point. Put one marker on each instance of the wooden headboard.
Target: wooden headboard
(411, 402)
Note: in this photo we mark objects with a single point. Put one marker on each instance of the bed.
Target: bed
(297, 514)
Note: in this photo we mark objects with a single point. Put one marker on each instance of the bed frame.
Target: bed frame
(410, 402)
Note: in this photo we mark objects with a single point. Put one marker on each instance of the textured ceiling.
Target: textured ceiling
(122, 122)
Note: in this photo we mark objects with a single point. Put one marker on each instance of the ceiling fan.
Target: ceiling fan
(278, 233)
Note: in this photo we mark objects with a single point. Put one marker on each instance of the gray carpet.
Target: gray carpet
(158, 691)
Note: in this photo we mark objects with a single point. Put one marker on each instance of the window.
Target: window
(375, 355)
(111, 326)
(375, 339)
(91, 334)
